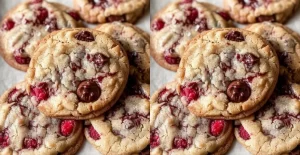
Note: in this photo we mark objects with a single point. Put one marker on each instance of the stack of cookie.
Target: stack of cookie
(97, 75)
(225, 75)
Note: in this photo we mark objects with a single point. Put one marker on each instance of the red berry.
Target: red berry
(180, 143)
(40, 91)
(187, 1)
(4, 139)
(235, 36)
(98, 59)
(154, 139)
(243, 133)
(30, 143)
(172, 60)
(158, 25)
(216, 127)
(8, 25)
(192, 14)
(190, 92)
(22, 60)
(42, 14)
(67, 127)
(74, 15)
(224, 15)
(85, 36)
(93, 133)
(36, 1)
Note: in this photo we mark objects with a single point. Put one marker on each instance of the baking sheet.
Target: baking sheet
(160, 76)
(10, 76)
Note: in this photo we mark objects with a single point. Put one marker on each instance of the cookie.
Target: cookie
(253, 11)
(77, 73)
(111, 10)
(136, 43)
(174, 130)
(125, 128)
(285, 44)
(227, 73)
(24, 130)
(176, 24)
(23, 27)
(274, 129)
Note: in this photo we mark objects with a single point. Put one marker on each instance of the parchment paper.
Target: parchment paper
(10, 76)
(160, 76)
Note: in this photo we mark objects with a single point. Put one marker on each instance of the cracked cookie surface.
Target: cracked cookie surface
(179, 22)
(274, 129)
(23, 26)
(252, 11)
(174, 130)
(286, 45)
(24, 130)
(103, 11)
(125, 128)
(227, 73)
(136, 43)
(77, 73)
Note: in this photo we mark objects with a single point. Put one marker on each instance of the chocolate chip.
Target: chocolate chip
(238, 91)
(235, 36)
(85, 36)
(88, 91)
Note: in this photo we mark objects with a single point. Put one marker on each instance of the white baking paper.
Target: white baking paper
(10, 76)
(160, 76)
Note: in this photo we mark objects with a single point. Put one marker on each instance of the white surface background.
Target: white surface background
(160, 76)
(10, 76)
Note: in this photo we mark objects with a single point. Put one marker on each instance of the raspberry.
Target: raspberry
(93, 133)
(158, 25)
(66, 127)
(180, 143)
(243, 133)
(8, 25)
(235, 36)
(40, 91)
(30, 143)
(216, 127)
(154, 139)
(85, 36)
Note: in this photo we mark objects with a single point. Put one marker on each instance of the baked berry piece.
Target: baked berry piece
(174, 130)
(103, 11)
(175, 25)
(125, 127)
(252, 11)
(26, 24)
(24, 130)
(136, 43)
(287, 45)
(227, 73)
(274, 129)
(77, 73)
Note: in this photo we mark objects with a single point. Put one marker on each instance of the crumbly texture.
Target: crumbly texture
(125, 128)
(24, 130)
(274, 129)
(111, 10)
(136, 43)
(23, 26)
(174, 130)
(179, 22)
(246, 11)
(77, 73)
(286, 45)
(227, 73)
